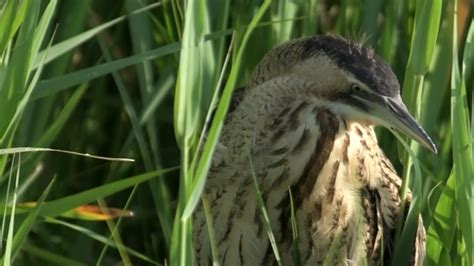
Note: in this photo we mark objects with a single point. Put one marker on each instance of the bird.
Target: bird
(301, 133)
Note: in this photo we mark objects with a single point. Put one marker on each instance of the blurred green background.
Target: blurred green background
(137, 78)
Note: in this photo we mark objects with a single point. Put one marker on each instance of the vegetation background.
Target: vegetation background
(137, 78)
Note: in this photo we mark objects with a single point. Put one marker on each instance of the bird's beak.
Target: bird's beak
(395, 115)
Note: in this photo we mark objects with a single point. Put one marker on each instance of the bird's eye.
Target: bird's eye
(356, 87)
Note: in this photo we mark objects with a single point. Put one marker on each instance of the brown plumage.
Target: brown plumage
(306, 123)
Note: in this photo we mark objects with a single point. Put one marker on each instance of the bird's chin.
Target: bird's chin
(362, 122)
(366, 122)
(353, 115)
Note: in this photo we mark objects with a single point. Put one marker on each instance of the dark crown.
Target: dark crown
(361, 61)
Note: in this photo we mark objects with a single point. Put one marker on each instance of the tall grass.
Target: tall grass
(139, 79)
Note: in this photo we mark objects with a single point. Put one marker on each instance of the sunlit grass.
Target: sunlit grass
(97, 77)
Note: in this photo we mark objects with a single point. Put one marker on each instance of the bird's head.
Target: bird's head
(353, 81)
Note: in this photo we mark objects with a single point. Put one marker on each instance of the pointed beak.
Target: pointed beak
(395, 115)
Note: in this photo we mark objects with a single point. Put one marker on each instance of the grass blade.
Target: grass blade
(55, 85)
(264, 218)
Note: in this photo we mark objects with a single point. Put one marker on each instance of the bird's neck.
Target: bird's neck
(265, 105)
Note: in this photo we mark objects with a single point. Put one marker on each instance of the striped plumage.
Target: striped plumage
(306, 123)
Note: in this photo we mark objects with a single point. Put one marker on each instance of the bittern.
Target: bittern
(305, 123)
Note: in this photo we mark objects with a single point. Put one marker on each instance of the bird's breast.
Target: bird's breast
(327, 162)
